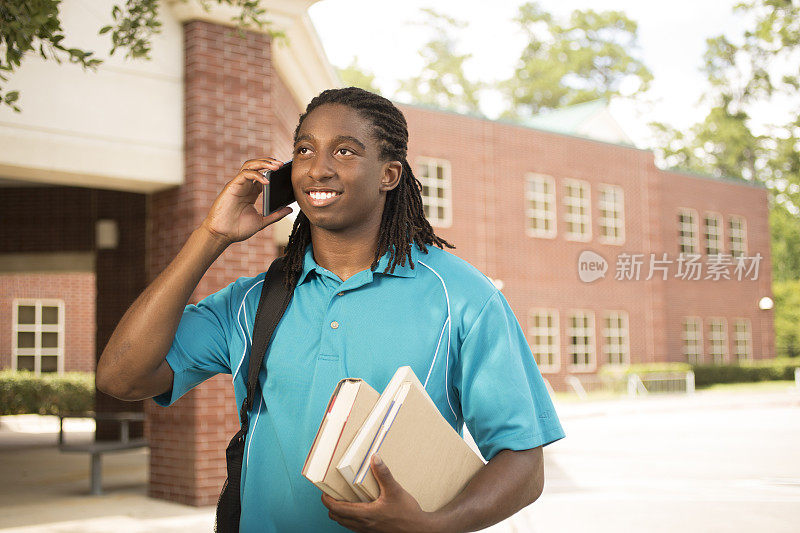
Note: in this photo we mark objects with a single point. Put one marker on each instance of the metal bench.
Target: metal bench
(97, 448)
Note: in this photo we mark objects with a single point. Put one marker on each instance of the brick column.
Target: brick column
(230, 86)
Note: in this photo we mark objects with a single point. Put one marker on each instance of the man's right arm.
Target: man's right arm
(133, 364)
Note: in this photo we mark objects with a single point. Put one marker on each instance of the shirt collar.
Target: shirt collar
(404, 271)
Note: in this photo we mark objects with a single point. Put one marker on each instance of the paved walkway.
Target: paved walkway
(720, 462)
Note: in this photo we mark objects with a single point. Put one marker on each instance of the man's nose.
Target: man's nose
(321, 167)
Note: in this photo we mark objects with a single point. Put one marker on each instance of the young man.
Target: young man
(370, 294)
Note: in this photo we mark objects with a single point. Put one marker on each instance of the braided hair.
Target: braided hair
(403, 219)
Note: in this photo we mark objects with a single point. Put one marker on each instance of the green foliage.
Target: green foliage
(761, 69)
(442, 82)
(787, 318)
(747, 371)
(354, 76)
(34, 25)
(785, 231)
(584, 59)
(49, 394)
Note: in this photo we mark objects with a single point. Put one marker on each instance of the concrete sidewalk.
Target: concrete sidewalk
(620, 460)
(44, 490)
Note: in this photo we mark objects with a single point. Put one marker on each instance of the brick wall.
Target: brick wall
(489, 161)
(77, 291)
(236, 109)
(730, 299)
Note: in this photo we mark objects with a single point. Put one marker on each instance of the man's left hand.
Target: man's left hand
(395, 510)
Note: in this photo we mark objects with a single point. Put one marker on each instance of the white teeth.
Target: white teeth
(321, 195)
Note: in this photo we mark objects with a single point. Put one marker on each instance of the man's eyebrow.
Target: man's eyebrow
(337, 139)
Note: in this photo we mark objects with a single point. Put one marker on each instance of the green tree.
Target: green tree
(354, 76)
(787, 318)
(586, 58)
(442, 82)
(35, 26)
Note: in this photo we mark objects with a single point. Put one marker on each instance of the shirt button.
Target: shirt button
(341, 294)
(334, 324)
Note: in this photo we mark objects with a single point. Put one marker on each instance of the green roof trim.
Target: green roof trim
(727, 179)
(566, 119)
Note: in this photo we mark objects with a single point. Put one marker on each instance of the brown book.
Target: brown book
(422, 451)
(351, 402)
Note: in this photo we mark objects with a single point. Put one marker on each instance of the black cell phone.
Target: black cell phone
(279, 193)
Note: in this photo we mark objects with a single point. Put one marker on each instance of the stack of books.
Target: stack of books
(425, 455)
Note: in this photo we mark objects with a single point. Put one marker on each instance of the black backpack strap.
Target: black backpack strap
(274, 300)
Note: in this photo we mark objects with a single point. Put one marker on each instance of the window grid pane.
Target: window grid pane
(580, 333)
(38, 334)
(611, 214)
(434, 176)
(540, 206)
(576, 210)
(543, 338)
(713, 235)
(615, 338)
(742, 343)
(687, 232)
(737, 236)
(692, 340)
(718, 340)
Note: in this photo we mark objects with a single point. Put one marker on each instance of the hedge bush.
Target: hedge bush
(781, 368)
(760, 370)
(48, 394)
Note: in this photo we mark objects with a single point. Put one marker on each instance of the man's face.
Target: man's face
(338, 178)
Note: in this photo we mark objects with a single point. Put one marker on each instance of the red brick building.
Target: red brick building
(88, 220)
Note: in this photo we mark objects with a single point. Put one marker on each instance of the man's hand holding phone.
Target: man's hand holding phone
(233, 216)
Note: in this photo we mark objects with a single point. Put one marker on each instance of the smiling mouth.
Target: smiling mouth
(322, 198)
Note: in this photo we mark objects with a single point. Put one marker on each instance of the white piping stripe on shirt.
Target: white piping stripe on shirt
(244, 331)
(435, 353)
(447, 353)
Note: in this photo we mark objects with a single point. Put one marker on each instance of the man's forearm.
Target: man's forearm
(132, 364)
(510, 481)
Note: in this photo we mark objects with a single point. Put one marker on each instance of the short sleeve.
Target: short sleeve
(200, 347)
(504, 400)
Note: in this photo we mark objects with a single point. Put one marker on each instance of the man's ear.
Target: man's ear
(392, 172)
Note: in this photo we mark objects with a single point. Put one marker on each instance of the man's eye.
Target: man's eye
(341, 150)
(300, 151)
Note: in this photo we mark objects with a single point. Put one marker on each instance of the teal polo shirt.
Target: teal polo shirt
(442, 317)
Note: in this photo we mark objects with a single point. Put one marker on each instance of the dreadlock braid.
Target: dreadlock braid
(403, 220)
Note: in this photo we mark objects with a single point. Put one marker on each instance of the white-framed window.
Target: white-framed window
(717, 339)
(742, 343)
(611, 204)
(38, 335)
(616, 344)
(540, 205)
(580, 335)
(577, 215)
(692, 340)
(737, 232)
(543, 338)
(713, 233)
(437, 195)
(687, 232)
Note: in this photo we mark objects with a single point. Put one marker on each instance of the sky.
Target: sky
(386, 38)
